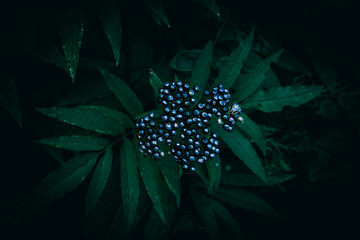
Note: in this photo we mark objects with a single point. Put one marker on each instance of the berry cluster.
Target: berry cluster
(183, 126)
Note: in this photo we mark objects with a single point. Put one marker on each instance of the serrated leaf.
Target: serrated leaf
(253, 131)
(123, 92)
(151, 176)
(91, 90)
(8, 96)
(94, 118)
(275, 99)
(231, 70)
(155, 228)
(201, 70)
(205, 213)
(239, 197)
(157, 12)
(156, 83)
(242, 148)
(170, 171)
(129, 180)
(211, 5)
(71, 28)
(184, 61)
(254, 79)
(60, 182)
(227, 219)
(76, 142)
(214, 171)
(245, 179)
(98, 180)
(109, 14)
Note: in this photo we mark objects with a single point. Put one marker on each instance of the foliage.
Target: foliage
(113, 87)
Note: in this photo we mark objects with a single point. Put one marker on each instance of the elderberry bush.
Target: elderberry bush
(183, 127)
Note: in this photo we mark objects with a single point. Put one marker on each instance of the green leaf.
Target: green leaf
(85, 93)
(211, 5)
(231, 70)
(205, 213)
(254, 79)
(214, 171)
(99, 180)
(123, 92)
(157, 12)
(156, 83)
(184, 61)
(253, 131)
(245, 180)
(76, 143)
(8, 96)
(227, 219)
(275, 99)
(242, 148)
(71, 28)
(170, 171)
(60, 182)
(110, 17)
(152, 179)
(94, 118)
(157, 113)
(201, 70)
(129, 180)
(239, 197)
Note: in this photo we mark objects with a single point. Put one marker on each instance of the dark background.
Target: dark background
(311, 210)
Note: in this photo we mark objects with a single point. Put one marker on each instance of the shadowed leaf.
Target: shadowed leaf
(98, 180)
(254, 79)
(76, 143)
(157, 12)
(184, 61)
(239, 197)
(245, 180)
(156, 83)
(242, 148)
(129, 180)
(214, 171)
(231, 70)
(123, 92)
(9, 97)
(211, 5)
(94, 118)
(109, 14)
(201, 70)
(71, 28)
(275, 99)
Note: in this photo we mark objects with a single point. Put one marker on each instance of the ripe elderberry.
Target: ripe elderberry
(183, 128)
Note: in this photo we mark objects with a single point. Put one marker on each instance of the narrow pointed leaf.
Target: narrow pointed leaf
(9, 97)
(157, 12)
(227, 219)
(242, 148)
(214, 171)
(109, 14)
(205, 213)
(275, 99)
(201, 69)
(94, 118)
(60, 182)
(231, 70)
(253, 131)
(98, 180)
(239, 197)
(129, 180)
(156, 83)
(245, 179)
(71, 28)
(123, 92)
(76, 143)
(211, 5)
(254, 79)
(152, 179)
(170, 171)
